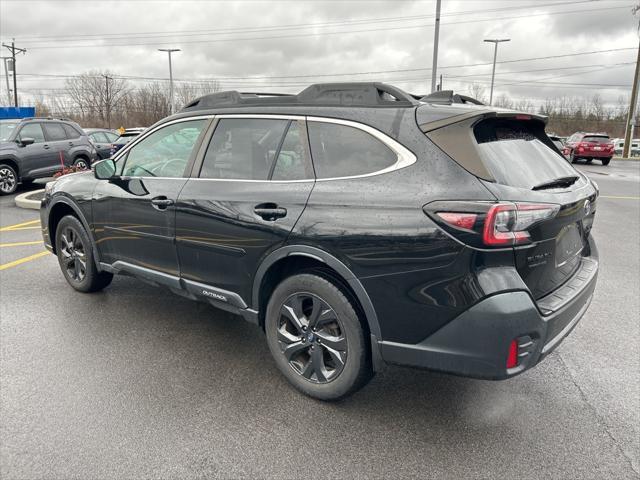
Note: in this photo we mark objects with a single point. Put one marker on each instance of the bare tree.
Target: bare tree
(95, 95)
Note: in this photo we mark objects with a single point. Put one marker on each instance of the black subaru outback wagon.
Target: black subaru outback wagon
(356, 224)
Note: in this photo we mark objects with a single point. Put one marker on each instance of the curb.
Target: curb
(23, 200)
(630, 159)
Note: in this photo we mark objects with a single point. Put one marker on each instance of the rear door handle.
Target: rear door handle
(71, 144)
(270, 211)
(46, 147)
(161, 203)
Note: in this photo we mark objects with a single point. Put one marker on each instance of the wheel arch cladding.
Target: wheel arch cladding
(59, 210)
(292, 259)
(12, 163)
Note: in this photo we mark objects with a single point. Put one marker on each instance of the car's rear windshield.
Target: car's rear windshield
(505, 150)
(596, 139)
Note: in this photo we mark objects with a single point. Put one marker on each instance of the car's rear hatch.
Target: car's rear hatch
(512, 156)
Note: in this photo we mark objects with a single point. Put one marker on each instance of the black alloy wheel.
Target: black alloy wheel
(311, 338)
(8, 180)
(74, 257)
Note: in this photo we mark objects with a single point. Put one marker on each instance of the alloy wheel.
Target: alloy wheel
(311, 338)
(7, 180)
(81, 164)
(74, 257)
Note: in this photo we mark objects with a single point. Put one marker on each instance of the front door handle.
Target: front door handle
(161, 203)
(46, 147)
(270, 211)
(71, 144)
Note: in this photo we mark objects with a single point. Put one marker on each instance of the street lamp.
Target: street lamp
(170, 51)
(495, 41)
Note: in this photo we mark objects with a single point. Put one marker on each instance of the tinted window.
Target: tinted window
(54, 132)
(70, 131)
(243, 149)
(164, 153)
(596, 139)
(32, 130)
(514, 153)
(292, 162)
(343, 151)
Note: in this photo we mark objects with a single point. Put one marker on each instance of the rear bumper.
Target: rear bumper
(592, 154)
(476, 343)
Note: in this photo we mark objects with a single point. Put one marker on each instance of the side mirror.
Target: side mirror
(105, 169)
(27, 141)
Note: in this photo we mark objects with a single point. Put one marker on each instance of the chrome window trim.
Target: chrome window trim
(405, 156)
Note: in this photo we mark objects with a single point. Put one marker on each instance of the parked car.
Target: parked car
(355, 224)
(32, 148)
(557, 142)
(128, 135)
(618, 147)
(103, 140)
(589, 146)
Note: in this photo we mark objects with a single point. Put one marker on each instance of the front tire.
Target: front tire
(316, 337)
(75, 257)
(8, 179)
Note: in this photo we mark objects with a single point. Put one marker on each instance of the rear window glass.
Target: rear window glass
(344, 151)
(54, 131)
(594, 139)
(515, 153)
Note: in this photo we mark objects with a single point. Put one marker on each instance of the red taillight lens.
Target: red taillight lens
(512, 357)
(459, 220)
(507, 223)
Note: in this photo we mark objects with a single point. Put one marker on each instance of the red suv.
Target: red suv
(589, 146)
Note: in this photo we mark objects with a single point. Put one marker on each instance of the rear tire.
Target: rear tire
(605, 161)
(316, 338)
(82, 163)
(8, 179)
(75, 256)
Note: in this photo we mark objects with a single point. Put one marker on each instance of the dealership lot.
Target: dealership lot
(135, 381)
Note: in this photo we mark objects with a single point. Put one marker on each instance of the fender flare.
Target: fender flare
(13, 159)
(329, 260)
(70, 203)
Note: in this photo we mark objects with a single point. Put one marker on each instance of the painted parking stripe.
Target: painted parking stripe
(619, 197)
(20, 244)
(20, 261)
(20, 226)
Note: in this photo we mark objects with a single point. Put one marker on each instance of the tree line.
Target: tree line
(101, 99)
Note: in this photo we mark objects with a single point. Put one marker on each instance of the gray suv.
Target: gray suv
(33, 148)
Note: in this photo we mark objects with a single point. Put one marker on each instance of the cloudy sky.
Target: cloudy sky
(285, 45)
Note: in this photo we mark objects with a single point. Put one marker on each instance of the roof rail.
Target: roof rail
(448, 97)
(357, 94)
(64, 119)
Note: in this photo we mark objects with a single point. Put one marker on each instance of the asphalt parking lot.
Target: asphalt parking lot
(135, 382)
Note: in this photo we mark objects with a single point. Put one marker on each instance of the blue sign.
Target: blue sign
(17, 112)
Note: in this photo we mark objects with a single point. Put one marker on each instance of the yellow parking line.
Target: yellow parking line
(19, 244)
(18, 225)
(4, 266)
(619, 197)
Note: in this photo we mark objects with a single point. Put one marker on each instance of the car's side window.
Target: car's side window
(111, 137)
(99, 137)
(70, 132)
(164, 153)
(293, 161)
(54, 132)
(344, 151)
(243, 148)
(32, 130)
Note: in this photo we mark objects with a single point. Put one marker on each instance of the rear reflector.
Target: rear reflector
(512, 358)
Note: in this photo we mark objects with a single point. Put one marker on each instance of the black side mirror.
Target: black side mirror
(105, 169)
(27, 141)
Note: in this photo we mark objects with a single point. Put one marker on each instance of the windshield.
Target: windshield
(6, 129)
(594, 139)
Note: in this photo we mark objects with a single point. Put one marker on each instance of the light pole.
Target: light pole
(436, 38)
(170, 51)
(495, 42)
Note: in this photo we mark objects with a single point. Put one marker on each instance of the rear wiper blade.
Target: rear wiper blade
(557, 182)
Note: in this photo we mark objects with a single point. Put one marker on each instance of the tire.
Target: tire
(8, 179)
(329, 362)
(82, 162)
(75, 257)
(572, 158)
(605, 161)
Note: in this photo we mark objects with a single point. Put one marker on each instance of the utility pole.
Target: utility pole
(436, 36)
(13, 49)
(495, 41)
(6, 78)
(170, 51)
(628, 132)
(107, 100)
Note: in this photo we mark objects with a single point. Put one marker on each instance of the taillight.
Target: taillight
(491, 224)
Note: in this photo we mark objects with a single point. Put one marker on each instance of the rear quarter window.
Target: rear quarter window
(345, 151)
